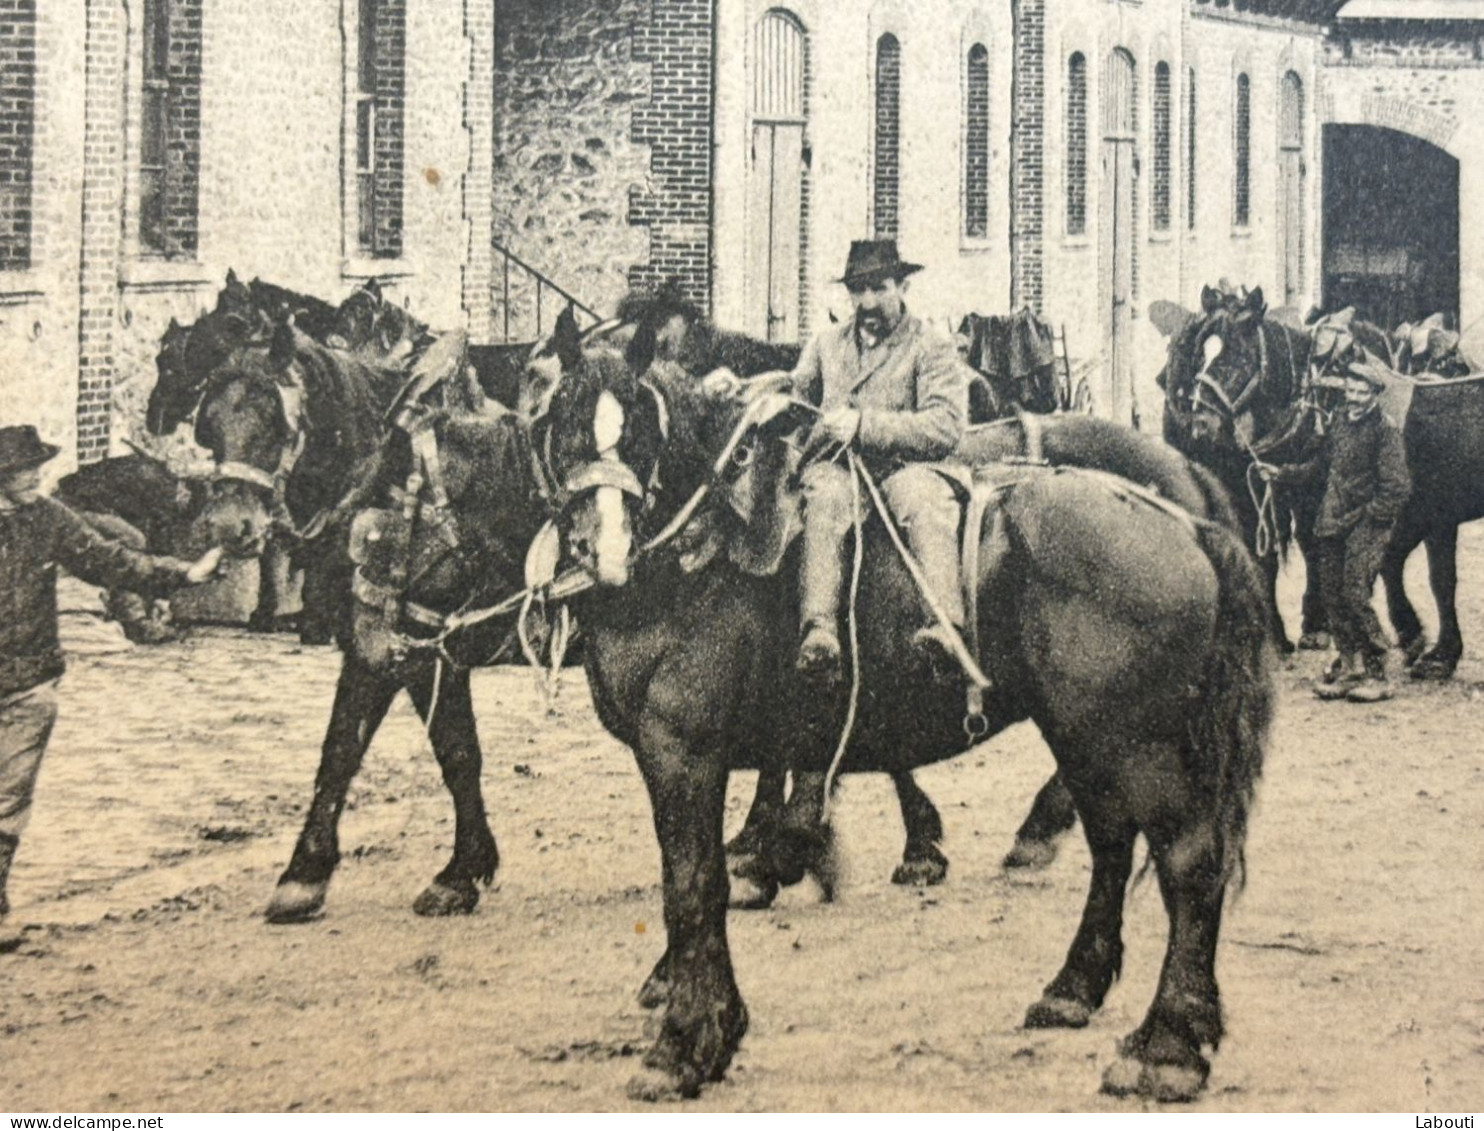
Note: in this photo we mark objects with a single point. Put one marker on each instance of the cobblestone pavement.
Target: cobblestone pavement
(175, 784)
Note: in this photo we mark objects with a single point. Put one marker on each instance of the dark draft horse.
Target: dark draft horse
(1252, 401)
(1135, 638)
(666, 327)
(1444, 433)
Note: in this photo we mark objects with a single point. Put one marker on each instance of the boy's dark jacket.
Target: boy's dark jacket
(34, 540)
(1367, 478)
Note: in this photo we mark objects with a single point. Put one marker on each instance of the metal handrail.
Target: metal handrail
(543, 283)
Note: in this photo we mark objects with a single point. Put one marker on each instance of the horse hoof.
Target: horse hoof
(1057, 1013)
(1432, 670)
(1414, 651)
(1164, 1083)
(653, 1086)
(748, 893)
(296, 903)
(1031, 855)
(1314, 641)
(920, 873)
(442, 900)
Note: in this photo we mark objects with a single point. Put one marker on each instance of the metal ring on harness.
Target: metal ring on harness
(604, 473)
(976, 726)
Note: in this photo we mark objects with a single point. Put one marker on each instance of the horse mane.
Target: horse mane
(346, 396)
(314, 316)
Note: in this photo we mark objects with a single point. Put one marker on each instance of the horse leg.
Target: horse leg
(264, 617)
(1096, 955)
(923, 862)
(1442, 575)
(1404, 539)
(1163, 1058)
(1270, 587)
(451, 730)
(704, 1017)
(1052, 813)
(362, 697)
(753, 887)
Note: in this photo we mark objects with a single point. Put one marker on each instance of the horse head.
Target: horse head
(602, 440)
(250, 423)
(190, 355)
(1223, 381)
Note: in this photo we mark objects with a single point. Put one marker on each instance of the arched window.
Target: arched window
(1242, 161)
(1291, 187)
(1161, 124)
(976, 143)
(1190, 131)
(1076, 174)
(888, 135)
(18, 113)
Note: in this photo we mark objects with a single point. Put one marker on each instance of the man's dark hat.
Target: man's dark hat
(22, 448)
(870, 261)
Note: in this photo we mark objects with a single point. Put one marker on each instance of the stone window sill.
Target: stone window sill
(150, 274)
(976, 245)
(368, 267)
(1241, 233)
(1076, 243)
(1164, 236)
(20, 287)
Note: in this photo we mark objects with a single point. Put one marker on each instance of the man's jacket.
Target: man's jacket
(912, 390)
(34, 540)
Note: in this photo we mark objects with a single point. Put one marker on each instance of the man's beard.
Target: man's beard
(872, 323)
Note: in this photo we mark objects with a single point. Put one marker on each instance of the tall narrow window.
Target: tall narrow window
(1076, 145)
(888, 135)
(374, 160)
(17, 134)
(1242, 164)
(1161, 193)
(169, 160)
(365, 141)
(154, 126)
(1291, 187)
(1190, 149)
(976, 144)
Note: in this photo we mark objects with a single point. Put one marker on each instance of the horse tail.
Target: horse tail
(1236, 695)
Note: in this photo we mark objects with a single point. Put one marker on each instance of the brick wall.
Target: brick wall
(675, 122)
(886, 165)
(17, 130)
(1027, 154)
(391, 90)
(102, 203)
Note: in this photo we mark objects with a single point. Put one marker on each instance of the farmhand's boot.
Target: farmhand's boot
(1344, 674)
(9, 940)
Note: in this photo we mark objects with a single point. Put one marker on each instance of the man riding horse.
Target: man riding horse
(897, 391)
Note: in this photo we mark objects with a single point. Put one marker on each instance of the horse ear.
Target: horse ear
(174, 325)
(1255, 304)
(1210, 300)
(281, 350)
(231, 276)
(566, 339)
(373, 288)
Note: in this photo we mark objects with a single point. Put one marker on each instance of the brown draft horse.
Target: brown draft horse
(1134, 637)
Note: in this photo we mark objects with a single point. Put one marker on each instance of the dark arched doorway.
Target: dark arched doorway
(1390, 225)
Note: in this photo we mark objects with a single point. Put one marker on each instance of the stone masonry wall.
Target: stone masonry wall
(566, 85)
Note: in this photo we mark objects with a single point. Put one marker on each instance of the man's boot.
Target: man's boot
(1346, 672)
(937, 554)
(821, 576)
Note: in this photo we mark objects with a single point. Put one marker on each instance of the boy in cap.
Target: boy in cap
(1366, 486)
(36, 535)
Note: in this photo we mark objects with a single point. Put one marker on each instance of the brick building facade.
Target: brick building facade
(1081, 157)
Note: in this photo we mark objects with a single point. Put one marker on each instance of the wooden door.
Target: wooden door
(776, 177)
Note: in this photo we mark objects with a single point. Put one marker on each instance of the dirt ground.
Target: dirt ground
(1352, 966)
